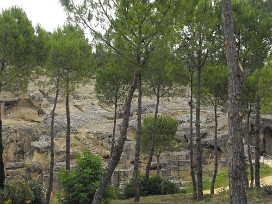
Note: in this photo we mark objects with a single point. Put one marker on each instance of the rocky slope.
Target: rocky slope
(27, 142)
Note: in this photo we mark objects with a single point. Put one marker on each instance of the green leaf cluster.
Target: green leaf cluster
(252, 20)
(71, 55)
(157, 186)
(265, 84)
(17, 38)
(165, 133)
(19, 191)
(17, 49)
(42, 46)
(112, 81)
(215, 84)
(249, 92)
(79, 185)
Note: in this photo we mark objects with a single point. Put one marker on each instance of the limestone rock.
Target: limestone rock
(36, 98)
(35, 166)
(41, 145)
(15, 165)
(26, 135)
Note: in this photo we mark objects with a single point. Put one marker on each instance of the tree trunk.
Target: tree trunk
(52, 148)
(114, 125)
(198, 138)
(192, 143)
(236, 161)
(153, 142)
(68, 119)
(158, 164)
(257, 139)
(245, 178)
(2, 72)
(249, 149)
(215, 149)
(118, 148)
(138, 142)
(2, 167)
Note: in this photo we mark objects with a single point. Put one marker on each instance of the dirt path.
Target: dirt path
(265, 180)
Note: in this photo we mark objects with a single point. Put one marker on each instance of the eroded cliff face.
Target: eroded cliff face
(27, 142)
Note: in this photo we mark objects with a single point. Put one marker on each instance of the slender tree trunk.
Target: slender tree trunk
(257, 139)
(215, 149)
(2, 72)
(235, 143)
(2, 167)
(192, 143)
(158, 164)
(249, 149)
(198, 138)
(153, 142)
(68, 119)
(118, 148)
(52, 147)
(245, 178)
(138, 142)
(114, 125)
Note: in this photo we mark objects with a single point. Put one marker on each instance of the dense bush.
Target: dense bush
(79, 184)
(38, 192)
(169, 187)
(156, 186)
(18, 191)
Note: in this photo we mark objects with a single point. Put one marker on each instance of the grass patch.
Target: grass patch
(179, 198)
(222, 198)
(173, 198)
(222, 179)
(265, 170)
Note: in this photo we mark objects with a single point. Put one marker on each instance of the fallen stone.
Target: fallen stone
(41, 145)
(14, 165)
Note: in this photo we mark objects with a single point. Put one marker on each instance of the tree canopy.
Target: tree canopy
(17, 49)
(71, 53)
(165, 133)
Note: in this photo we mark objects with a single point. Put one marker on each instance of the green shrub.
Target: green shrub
(169, 187)
(79, 184)
(128, 191)
(17, 191)
(254, 195)
(156, 186)
(38, 192)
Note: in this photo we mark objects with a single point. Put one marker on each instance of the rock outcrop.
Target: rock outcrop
(27, 142)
